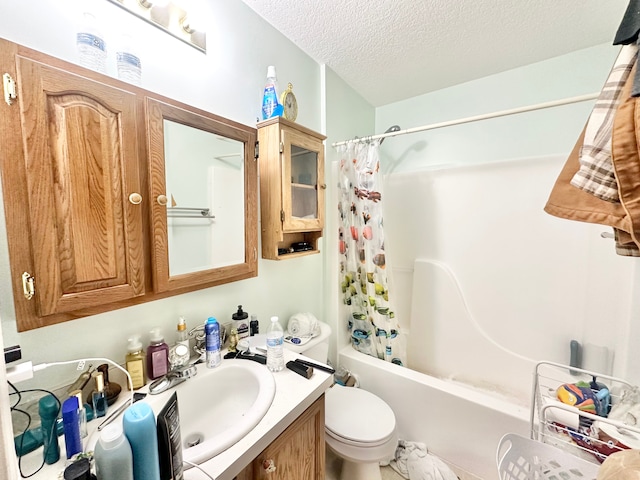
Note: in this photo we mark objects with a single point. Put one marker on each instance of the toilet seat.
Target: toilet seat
(356, 417)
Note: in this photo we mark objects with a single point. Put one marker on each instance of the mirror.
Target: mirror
(203, 181)
(205, 193)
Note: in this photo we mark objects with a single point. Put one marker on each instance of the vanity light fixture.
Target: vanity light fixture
(169, 16)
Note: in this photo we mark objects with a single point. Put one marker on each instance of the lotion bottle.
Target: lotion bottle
(114, 460)
(157, 355)
(241, 323)
(139, 425)
(135, 362)
(48, 407)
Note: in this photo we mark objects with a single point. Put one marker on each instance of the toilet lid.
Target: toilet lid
(357, 416)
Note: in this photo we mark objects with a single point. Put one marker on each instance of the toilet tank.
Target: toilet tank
(317, 348)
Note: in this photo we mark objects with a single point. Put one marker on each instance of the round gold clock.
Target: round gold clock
(289, 104)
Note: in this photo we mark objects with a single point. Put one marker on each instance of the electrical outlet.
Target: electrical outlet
(12, 354)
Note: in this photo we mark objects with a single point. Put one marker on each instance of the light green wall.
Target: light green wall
(539, 133)
(228, 81)
(347, 115)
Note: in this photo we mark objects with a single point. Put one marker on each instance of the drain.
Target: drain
(193, 440)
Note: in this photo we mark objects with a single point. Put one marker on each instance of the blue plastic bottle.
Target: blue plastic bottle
(270, 105)
(71, 422)
(212, 331)
(139, 425)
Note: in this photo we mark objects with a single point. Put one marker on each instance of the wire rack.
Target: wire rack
(585, 435)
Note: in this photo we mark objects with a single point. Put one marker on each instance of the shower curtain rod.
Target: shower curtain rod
(486, 116)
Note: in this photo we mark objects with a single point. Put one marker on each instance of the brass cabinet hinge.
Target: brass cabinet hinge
(281, 147)
(256, 152)
(282, 215)
(9, 88)
(28, 285)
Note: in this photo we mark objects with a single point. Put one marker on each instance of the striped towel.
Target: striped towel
(596, 174)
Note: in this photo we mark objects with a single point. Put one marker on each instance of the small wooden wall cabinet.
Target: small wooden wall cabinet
(291, 188)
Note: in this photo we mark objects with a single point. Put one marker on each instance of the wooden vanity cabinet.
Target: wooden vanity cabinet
(297, 454)
(292, 188)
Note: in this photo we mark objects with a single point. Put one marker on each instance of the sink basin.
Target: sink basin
(219, 406)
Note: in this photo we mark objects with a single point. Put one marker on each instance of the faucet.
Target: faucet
(200, 337)
(174, 377)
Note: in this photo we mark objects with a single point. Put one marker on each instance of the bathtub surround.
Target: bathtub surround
(364, 284)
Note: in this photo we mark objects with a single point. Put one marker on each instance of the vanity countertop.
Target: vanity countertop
(293, 395)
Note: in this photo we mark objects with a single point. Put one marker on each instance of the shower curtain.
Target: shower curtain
(363, 264)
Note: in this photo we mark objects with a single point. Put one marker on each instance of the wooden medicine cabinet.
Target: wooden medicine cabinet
(93, 171)
(292, 188)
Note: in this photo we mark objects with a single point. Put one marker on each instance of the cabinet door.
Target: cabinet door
(302, 182)
(299, 452)
(81, 160)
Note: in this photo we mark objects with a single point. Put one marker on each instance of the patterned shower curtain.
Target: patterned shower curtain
(363, 265)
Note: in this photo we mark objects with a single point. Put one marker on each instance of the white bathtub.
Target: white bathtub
(485, 285)
(458, 424)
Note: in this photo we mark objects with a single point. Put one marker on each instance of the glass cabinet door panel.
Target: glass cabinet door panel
(304, 181)
(302, 167)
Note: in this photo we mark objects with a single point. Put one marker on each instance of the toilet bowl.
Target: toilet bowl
(360, 427)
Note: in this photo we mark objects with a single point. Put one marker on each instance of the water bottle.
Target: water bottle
(92, 49)
(128, 62)
(275, 340)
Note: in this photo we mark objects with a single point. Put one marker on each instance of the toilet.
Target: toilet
(350, 430)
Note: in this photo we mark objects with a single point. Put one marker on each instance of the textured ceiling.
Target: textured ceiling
(389, 50)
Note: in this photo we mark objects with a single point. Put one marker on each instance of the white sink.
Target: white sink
(219, 406)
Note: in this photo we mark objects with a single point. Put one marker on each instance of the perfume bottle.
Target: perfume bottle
(99, 397)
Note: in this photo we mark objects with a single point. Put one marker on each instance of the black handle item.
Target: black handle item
(324, 368)
(303, 370)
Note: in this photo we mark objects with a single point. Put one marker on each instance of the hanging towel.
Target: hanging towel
(596, 174)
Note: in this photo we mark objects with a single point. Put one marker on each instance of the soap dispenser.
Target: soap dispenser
(241, 323)
(157, 355)
(135, 362)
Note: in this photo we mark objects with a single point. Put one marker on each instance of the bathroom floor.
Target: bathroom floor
(333, 465)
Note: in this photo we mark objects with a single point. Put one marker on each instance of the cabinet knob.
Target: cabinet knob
(269, 466)
(135, 198)
(162, 200)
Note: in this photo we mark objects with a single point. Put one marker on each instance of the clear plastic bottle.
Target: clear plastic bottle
(270, 105)
(182, 336)
(275, 340)
(128, 62)
(212, 331)
(92, 48)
